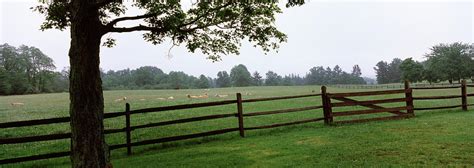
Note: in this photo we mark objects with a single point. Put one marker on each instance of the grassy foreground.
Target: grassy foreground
(433, 138)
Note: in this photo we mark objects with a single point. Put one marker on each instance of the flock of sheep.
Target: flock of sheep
(189, 96)
(124, 99)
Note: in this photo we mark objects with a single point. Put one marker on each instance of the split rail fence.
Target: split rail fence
(327, 107)
(391, 86)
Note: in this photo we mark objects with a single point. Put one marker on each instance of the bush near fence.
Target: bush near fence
(326, 106)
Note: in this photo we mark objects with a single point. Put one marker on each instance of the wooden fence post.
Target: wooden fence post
(327, 110)
(239, 114)
(464, 95)
(409, 97)
(128, 129)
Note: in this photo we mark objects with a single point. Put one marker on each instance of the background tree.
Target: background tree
(382, 72)
(202, 82)
(214, 28)
(356, 71)
(240, 76)
(25, 70)
(316, 76)
(147, 75)
(451, 61)
(394, 73)
(179, 80)
(272, 79)
(411, 70)
(223, 79)
(257, 79)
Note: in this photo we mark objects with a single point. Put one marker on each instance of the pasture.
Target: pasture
(438, 137)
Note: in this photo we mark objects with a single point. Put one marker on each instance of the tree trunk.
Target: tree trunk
(88, 148)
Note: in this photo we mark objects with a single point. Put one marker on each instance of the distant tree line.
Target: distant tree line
(149, 77)
(26, 70)
(444, 62)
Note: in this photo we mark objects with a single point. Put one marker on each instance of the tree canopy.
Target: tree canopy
(451, 61)
(411, 70)
(26, 69)
(215, 28)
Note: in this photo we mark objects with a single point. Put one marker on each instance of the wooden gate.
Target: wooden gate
(346, 100)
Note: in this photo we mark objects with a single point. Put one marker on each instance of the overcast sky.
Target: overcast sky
(319, 33)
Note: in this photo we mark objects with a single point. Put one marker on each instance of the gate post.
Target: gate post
(464, 95)
(327, 111)
(409, 99)
(240, 115)
(128, 129)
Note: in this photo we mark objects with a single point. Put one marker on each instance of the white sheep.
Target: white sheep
(121, 99)
(17, 104)
(192, 96)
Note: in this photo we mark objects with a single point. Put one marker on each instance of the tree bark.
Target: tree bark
(88, 147)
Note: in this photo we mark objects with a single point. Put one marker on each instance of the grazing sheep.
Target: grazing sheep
(121, 99)
(198, 96)
(248, 93)
(221, 96)
(170, 98)
(204, 96)
(192, 97)
(160, 98)
(17, 104)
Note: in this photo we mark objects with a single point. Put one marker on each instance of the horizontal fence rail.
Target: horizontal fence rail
(437, 87)
(369, 111)
(185, 120)
(183, 106)
(183, 137)
(279, 98)
(436, 108)
(372, 119)
(393, 86)
(285, 124)
(368, 102)
(370, 93)
(437, 97)
(282, 111)
(326, 108)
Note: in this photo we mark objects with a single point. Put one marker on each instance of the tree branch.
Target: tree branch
(115, 21)
(136, 28)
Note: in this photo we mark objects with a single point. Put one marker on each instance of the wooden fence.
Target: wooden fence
(390, 86)
(327, 106)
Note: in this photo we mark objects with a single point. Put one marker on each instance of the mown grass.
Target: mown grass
(442, 137)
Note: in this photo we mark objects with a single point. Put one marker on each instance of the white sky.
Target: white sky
(319, 33)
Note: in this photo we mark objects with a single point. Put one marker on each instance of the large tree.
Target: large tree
(223, 79)
(451, 61)
(214, 28)
(412, 70)
(240, 76)
(272, 79)
(382, 72)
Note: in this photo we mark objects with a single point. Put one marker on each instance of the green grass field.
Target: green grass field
(432, 138)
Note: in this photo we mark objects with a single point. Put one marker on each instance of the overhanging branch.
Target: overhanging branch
(135, 28)
(115, 21)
